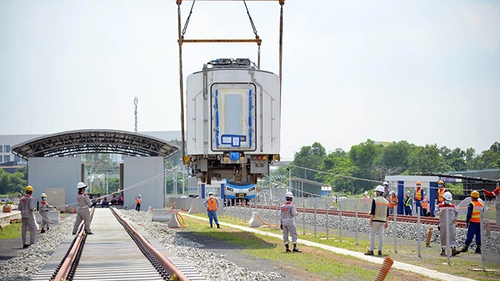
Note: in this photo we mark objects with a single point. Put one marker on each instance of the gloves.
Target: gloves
(281, 226)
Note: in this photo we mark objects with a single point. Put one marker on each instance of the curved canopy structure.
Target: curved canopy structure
(94, 141)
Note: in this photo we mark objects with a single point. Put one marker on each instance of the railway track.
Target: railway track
(116, 251)
(399, 218)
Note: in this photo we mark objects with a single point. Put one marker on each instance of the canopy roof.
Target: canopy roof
(94, 141)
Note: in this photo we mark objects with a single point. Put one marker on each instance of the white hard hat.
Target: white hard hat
(81, 185)
(385, 183)
(447, 196)
(139, 195)
(289, 194)
(380, 188)
(366, 192)
(392, 192)
(210, 193)
(43, 195)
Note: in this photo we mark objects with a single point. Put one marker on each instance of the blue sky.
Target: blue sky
(423, 71)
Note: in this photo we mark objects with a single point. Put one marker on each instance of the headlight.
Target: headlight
(230, 189)
(251, 188)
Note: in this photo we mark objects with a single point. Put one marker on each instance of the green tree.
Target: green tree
(365, 156)
(340, 169)
(394, 158)
(308, 157)
(426, 159)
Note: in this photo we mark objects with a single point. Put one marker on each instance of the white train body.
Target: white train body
(233, 121)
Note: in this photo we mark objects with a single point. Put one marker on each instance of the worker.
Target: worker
(138, 202)
(496, 193)
(83, 209)
(44, 208)
(378, 220)
(27, 207)
(408, 204)
(287, 223)
(366, 201)
(419, 195)
(425, 206)
(212, 204)
(473, 221)
(387, 192)
(448, 215)
(393, 202)
(441, 191)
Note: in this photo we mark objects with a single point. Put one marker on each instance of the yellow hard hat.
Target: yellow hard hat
(418, 183)
(29, 188)
(440, 182)
(474, 194)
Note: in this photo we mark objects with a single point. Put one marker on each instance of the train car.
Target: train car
(233, 121)
(238, 192)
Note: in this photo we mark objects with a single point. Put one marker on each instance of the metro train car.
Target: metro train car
(238, 192)
(233, 121)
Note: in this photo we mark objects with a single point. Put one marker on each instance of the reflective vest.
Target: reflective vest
(441, 192)
(381, 205)
(418, 194)
(393, 201)
(138, 200)
(408, 201)
(425, 203)
(476, 211)
(212, 204)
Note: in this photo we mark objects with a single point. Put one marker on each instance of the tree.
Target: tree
(426, 159)
(308, 157)
(340, 170)
(394, 158)
(365, 156)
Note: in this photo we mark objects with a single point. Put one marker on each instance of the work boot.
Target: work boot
(43, 231)
(26, 246)
(379, 253)
(443, 252)
(465, 248)
(369, 253)
(478, 250)
(295, 249)
(287, 249)
(211, 226)
(454, 251)
(218, 226)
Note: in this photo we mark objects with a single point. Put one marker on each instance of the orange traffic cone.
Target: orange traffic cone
(72, 210)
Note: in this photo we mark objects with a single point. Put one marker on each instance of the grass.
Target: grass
(322, 263)
(325, 265)
(12, 230)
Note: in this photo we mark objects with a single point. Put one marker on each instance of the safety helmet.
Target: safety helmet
(140, 195)
(289, 194)
(474, 194)
(210, 193)
(366, 192)
(80, 185)
(385, 183)
(43, 195)
(447, 196)
(418, 183)
(29, 188)
(380, 188)
(392, 192)
(441, 182)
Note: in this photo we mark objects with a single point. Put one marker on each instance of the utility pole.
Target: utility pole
(136, 101)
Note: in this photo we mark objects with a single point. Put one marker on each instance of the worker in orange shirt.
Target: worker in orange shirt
(393, 202)
(425, 205)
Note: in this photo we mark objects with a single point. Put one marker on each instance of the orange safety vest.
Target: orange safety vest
(393, 201)
(418, 194)
(476, 211)
(441, 192)
(138, 201)
(212, 204)
(426, 203)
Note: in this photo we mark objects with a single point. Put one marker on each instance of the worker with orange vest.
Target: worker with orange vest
(473, 221)
(419, 195)
(393, 202)
(212, 204)
(138, 202)
(425, 206)
(441, 191)
(495, 192)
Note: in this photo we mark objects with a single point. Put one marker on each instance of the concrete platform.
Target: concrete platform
(6, 217)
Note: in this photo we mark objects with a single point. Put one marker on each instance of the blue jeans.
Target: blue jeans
(212, 216)
(408, 210)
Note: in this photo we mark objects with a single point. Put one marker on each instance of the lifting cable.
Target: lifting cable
(255, 32)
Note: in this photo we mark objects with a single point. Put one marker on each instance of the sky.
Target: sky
(427, 72)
